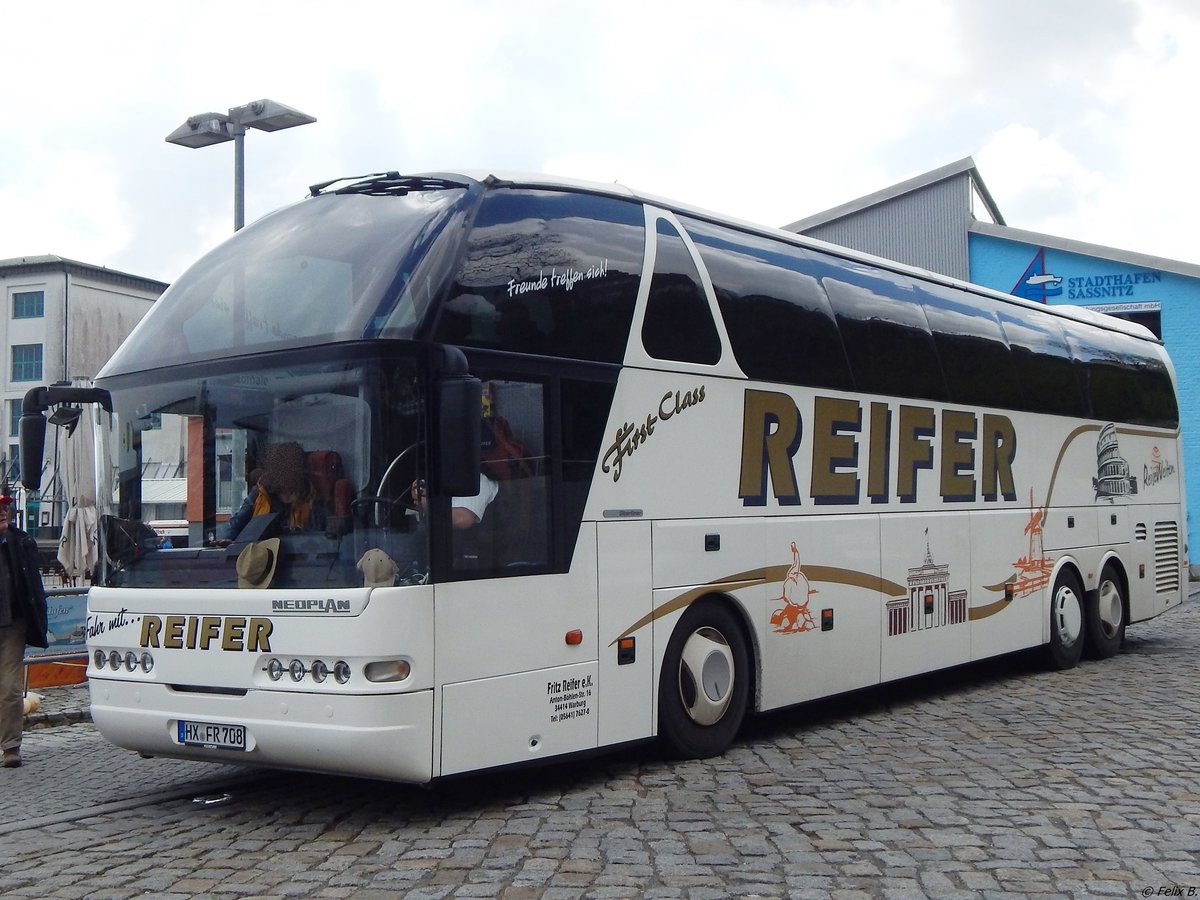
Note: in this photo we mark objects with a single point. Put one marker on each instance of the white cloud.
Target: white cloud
(1077, 112)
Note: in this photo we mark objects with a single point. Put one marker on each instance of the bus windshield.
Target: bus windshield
(318, 452)
(333, 267)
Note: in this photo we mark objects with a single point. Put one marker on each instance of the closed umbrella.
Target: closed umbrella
(79, 545)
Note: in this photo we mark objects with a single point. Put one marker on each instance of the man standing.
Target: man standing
(22, 621)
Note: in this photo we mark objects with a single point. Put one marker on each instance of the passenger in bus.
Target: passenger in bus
(245, 512)
(283, 488)
(465, 512)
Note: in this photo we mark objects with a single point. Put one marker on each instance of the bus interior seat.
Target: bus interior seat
(333, 489)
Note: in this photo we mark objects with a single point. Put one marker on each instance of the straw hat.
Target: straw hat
(256, 563)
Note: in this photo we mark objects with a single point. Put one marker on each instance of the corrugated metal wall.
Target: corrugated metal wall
(926, 228)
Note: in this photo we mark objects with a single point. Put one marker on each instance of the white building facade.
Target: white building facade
(62, 320)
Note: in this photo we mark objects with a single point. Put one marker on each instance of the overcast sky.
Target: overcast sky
(1080, 114)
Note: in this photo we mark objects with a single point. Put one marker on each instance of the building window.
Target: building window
(14, 417)
(13, 469)
(27, 362)
(29, 304)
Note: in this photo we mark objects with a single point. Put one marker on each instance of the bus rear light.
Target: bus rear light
(388, 670)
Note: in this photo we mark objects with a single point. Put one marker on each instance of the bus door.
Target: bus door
(626, 673)
(516, 641)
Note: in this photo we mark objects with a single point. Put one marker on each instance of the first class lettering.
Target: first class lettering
(852, 450)
(234, 633)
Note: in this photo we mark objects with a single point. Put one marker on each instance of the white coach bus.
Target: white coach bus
(709, 469)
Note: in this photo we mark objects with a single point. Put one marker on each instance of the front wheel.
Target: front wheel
(1066, 621)
(705, 683)
(1105, 619)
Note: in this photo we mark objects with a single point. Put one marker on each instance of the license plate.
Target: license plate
(212, 735)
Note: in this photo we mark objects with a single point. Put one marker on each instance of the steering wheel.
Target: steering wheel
(384, 506)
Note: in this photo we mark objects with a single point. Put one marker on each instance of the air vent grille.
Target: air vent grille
(1166, 557)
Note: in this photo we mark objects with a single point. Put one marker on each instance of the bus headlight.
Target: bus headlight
(296, 670)
(320, 671)
(131, 661)
(100, 658)
(274, 670)
(387, 670)
(341, 671)
(114, 659)
(147, 662)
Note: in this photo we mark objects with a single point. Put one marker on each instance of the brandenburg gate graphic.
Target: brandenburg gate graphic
(930, 602)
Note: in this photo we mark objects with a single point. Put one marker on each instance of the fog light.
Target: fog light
(99, 659)
(341, 671)
(320, 671)
(147, 662)
(388, 670)
(274, 670)
(296, 670)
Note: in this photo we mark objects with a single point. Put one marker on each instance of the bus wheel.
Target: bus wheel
(705, 682)
(1066, 621)
(1105, 619)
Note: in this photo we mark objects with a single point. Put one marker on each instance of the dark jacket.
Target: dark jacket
(29, 598)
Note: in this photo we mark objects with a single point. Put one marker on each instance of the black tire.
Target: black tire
(1066, 621)
(708, 642)
(1104, 618)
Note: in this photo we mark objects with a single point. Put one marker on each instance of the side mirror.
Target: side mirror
(33, 446)
(33, 422)
(457, 424)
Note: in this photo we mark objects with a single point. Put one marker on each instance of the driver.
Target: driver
(465, 512)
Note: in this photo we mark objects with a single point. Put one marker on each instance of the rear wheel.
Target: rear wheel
(1066, 621)
(1105, 619)
(705, 683)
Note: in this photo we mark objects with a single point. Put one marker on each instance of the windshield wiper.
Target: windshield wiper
(386, 184)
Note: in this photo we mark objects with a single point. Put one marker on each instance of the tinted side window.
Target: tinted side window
(975, 357)
(885, 333)
(512, 535)
(548, 272)
(678, 323)
(1050, 379)
(1124, 383)
(779, 320)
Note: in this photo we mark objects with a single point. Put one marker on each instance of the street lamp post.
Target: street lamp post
(215, 128)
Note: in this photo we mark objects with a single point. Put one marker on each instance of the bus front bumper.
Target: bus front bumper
(386, 736)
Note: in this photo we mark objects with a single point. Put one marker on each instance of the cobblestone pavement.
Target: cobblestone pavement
(996, 780)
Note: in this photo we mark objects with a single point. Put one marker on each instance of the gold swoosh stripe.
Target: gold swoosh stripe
(768, 575)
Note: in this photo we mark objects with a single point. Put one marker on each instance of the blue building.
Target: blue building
(947, 221)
